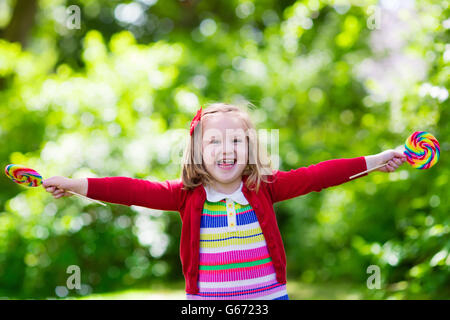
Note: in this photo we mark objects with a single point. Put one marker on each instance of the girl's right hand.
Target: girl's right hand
(58, 186)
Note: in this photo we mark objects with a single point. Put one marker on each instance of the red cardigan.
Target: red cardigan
(170, 196)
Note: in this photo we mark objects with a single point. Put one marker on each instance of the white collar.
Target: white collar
(213, 196)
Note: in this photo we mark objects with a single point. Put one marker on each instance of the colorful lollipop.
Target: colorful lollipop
(22, 175)
(31, 178)
(422, 150)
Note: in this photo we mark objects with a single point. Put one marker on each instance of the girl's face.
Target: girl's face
(224, 149)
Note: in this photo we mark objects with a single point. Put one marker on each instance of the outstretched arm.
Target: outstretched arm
(167, 195)
(296, 182)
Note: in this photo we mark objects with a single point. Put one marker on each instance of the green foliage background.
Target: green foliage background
(115, 98)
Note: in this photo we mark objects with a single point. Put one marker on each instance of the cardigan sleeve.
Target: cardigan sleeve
(289, 184)
(167, 195)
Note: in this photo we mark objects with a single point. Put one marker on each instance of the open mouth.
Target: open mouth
(226, 164)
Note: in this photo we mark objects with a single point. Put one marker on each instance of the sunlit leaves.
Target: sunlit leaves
(116, 98)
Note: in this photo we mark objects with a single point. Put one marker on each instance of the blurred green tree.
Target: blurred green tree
(115, 97)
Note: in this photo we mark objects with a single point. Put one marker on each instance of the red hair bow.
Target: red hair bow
(195, 120)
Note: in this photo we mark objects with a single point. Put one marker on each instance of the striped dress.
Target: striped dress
(234, 259)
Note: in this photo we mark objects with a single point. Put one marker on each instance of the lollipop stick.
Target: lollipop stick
(367, 171)
(77, 194)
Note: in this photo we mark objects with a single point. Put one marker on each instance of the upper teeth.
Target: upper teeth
(228, 161)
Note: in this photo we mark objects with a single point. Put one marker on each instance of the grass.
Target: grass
(296, 291)
(175, 291)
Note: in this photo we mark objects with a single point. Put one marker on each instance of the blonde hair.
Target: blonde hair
(193, 171)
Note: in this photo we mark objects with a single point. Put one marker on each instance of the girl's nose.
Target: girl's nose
(228, 148)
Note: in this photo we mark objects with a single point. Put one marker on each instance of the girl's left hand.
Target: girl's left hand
(392, 158)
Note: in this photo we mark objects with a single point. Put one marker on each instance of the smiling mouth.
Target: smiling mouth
(226, 164)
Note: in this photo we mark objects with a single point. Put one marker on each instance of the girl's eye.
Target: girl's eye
(235, 140)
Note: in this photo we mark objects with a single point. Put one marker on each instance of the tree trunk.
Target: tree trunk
(21, 22)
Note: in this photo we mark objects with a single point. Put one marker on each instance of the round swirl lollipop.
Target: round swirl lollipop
(422, 150)
(31, 178)
(22, 175)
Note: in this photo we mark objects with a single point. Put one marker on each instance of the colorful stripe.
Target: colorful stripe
(233, 256)
(242, 265)
(234, 264)
(236, 274)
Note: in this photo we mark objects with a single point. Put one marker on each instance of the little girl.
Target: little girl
(231, 247)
